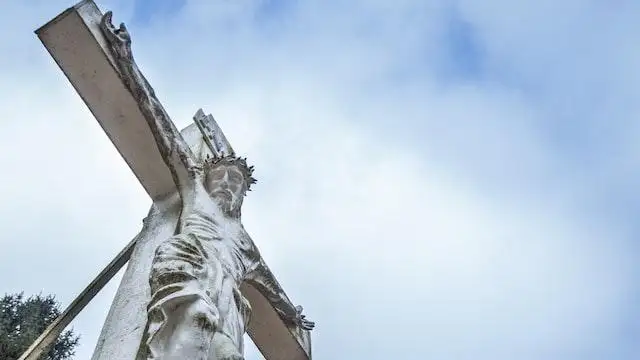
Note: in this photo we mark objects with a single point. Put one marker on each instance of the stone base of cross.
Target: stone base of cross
(75, 41)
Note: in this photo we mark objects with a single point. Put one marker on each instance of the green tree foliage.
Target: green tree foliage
(23, 320)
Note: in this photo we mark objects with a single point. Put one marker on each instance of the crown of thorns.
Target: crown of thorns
(231, 160)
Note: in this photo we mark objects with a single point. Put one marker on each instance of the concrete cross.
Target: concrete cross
(75, 41)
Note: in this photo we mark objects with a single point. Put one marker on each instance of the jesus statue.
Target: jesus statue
(196, 309)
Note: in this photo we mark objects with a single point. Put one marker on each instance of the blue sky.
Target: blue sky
(468, 169)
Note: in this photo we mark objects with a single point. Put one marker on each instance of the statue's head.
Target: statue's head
(228, 178)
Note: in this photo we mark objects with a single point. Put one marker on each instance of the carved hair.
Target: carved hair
(231, 160)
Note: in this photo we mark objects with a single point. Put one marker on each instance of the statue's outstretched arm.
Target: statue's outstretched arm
(173, 148)
(263, 280)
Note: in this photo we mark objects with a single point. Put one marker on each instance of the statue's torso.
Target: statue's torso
(223, 239)
(225, 255)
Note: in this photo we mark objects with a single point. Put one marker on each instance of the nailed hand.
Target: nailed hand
(301, 320)
(118, 38)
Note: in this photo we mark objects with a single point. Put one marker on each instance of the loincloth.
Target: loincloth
(185, 272)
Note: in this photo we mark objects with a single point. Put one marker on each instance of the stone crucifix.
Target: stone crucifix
(195, 281)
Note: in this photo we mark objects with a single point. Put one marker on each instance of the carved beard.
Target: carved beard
(228, 201)
(227, 188)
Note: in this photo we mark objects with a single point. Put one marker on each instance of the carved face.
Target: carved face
(226, 184)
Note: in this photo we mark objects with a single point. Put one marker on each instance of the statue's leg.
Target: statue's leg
(182, 317)
(185, 332)
(228, 339)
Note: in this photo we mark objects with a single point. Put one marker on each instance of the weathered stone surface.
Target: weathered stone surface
(76, 43)
(126, 108)
(125, 324)
(123, 329)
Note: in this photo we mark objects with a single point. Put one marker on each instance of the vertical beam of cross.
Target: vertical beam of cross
(43, 343)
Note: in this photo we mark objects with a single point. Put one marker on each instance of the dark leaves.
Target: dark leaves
(23, 320)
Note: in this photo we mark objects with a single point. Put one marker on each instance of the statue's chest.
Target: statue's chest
(221, 240)
(235, 255)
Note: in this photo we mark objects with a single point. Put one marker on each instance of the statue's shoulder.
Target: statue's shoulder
(244, 237)
(247, 246)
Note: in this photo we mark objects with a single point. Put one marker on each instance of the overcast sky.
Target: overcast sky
(438, 179)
